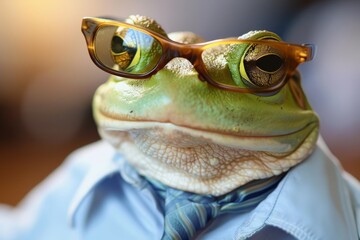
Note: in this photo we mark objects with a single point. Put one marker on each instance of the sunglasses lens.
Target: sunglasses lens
(246, 65)
(126, 50)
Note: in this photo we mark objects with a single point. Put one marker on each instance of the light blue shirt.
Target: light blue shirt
(96, 195)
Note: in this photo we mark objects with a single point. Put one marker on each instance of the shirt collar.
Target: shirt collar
(309, 203)
(98, 171)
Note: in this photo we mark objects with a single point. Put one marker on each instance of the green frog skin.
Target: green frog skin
(189, 135)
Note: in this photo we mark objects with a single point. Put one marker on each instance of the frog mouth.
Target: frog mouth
(203, 161)
(183, 136)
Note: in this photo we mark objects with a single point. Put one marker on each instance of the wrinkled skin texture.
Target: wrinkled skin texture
(192, 136)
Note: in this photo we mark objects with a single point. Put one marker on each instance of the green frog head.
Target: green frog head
(173, 123)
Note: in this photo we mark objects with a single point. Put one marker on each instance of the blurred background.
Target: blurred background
(47, 79)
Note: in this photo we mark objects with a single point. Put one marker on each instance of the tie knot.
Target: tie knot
(187, 213)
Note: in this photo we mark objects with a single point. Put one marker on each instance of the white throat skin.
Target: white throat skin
(202, 162)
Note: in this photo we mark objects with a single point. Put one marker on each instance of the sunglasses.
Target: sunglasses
(239, 65)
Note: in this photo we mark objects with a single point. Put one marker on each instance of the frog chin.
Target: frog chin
(201, 161)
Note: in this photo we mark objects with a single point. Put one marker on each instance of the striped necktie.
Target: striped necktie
(187, 213)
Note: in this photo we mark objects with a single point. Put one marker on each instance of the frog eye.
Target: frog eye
(126, 50)
(125, 53)
(262, 66)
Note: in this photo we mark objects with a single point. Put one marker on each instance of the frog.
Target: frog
(189, 135)
(201, 140)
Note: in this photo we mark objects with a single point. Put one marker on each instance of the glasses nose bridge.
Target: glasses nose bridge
(192, 54)
(185, 51)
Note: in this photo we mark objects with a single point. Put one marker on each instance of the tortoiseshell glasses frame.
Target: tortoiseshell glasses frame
(293, 54)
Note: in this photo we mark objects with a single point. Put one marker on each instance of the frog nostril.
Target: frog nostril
(180, 66)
